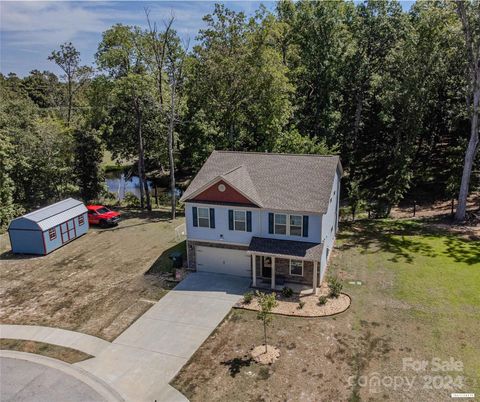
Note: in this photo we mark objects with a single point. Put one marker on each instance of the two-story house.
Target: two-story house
(271, 217)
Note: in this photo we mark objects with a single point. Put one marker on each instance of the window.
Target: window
(239, 221)
(280, 224)
(81, 220)
(52, 233)
(296, 225)
(296, 267)
(203, 217)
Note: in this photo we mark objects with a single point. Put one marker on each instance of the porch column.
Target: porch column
(315, 269)
(273, 273)
(254, 270)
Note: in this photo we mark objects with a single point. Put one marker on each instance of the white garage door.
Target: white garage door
(223, 261)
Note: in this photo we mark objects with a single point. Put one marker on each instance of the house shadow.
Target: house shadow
(236, 364)
(393, 237)
(163, 264)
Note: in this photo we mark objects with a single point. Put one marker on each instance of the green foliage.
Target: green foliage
(88, 157)
(287, 292)
(301, 304)
(322, 300)
(335, 287)
(131, 200)
(295, 143)
(247, 297)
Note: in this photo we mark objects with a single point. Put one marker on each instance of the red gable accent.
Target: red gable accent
(213, 194)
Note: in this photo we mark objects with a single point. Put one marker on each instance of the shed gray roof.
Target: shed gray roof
(275, 181)
(49, 217)
(286, 248)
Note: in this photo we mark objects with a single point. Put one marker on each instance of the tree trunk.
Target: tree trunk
(171, 159)
(265, 334)
(70, 97)
(473, 55)
(140, 156)
(468, 163)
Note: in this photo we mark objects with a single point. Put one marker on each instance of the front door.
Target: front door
(267, 267)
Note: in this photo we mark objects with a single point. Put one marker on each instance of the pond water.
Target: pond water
(118, 184)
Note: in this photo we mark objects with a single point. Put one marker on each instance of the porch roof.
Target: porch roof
(286, 248)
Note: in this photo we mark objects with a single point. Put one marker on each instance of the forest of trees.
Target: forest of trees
(396, 93)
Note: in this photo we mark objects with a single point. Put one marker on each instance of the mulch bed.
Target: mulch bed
(311, 308)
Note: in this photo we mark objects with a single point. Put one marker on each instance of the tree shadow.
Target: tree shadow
(236, 364)
(462, 250)
(393, 237)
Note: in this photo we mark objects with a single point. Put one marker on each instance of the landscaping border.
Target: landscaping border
(238, 307)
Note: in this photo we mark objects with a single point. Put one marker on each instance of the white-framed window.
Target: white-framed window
(296, 225)
(203, 217)
(296, 267)
(288, 224)
(52, 233)
(280, 224)
(240, 221)
(81, 220)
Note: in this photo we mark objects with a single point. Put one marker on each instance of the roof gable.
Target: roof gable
(229, 194)
(273, 181)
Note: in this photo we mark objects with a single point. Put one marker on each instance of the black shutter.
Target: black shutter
(195, 219)
(305, 225)
(230, 219)
(212, 218)
(249, 221)
(270, 222)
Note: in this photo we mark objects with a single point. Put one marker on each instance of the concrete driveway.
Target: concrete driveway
(142, 360)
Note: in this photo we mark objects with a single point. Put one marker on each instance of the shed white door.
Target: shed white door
(222, 261)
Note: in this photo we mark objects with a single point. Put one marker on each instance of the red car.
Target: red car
(100, 215)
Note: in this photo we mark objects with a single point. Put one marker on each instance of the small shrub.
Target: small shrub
(301, 303)
(287, 292)
(335, 287)
(130, 200)
(322, 300)
(248, 297)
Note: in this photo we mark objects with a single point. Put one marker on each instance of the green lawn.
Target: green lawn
(415, 295)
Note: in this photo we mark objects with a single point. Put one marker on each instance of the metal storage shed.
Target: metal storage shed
(46, 229)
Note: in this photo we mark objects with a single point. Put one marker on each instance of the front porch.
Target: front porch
(283, 263)
(301, 289)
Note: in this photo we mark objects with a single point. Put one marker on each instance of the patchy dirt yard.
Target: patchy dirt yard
(45, 349)
(96, 284)
(415, 296)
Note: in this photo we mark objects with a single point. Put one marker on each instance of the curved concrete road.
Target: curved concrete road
(27, 377)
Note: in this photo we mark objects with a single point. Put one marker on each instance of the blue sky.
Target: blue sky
(31, 30)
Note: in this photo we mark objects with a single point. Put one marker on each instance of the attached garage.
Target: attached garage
(222, 261)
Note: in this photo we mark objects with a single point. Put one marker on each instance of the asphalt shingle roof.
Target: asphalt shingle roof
(273, 181)
(286, 248)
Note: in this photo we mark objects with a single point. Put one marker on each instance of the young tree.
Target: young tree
(469, 14)
(68, 59)
(88, 158)
(267, 302)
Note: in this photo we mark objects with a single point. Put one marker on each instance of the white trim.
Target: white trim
(290, 266)
(212, 183)
(219, 242)
(287, 225)
(208, 216)
(244, 220)
(249, 208)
